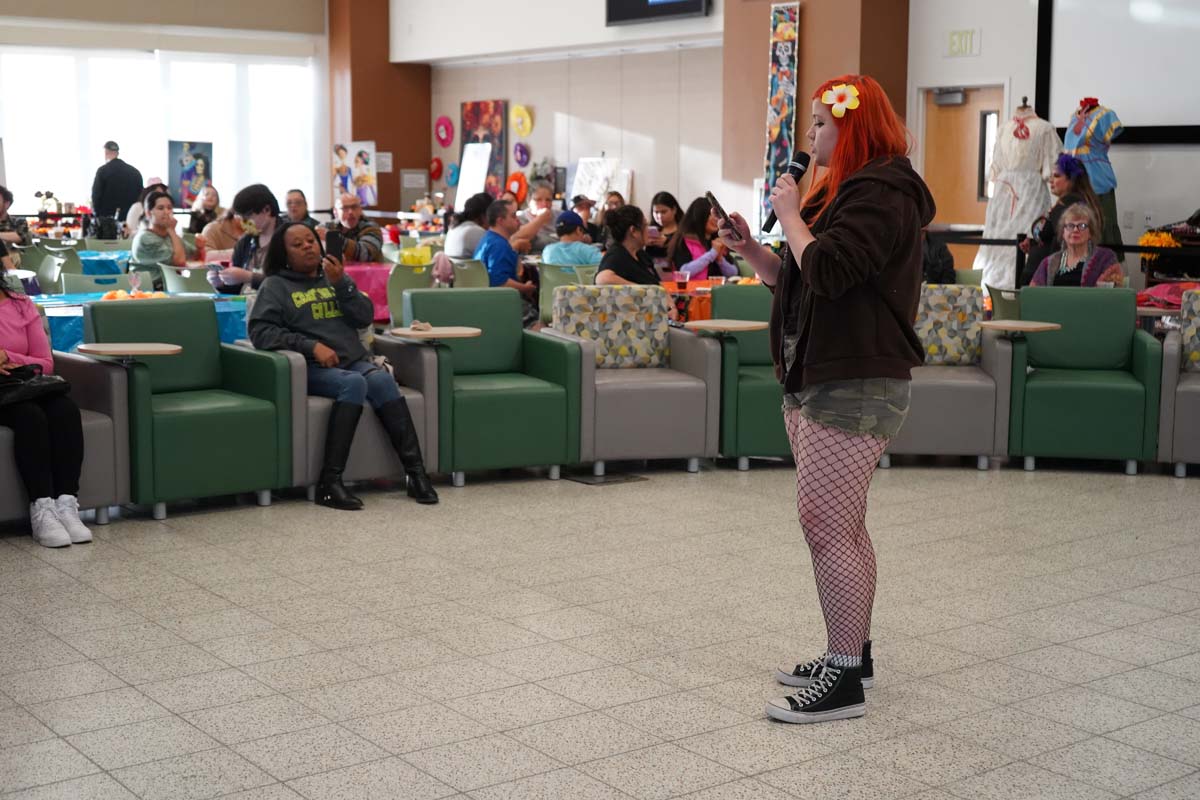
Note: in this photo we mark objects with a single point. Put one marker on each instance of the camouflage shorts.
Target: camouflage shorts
(864, 406)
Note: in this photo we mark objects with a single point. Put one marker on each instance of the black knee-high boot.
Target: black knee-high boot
(399, 425)
(343, 421)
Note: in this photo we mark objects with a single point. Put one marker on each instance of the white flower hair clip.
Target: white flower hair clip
(841, 97)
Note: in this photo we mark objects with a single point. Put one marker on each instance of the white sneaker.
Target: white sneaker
(67, 508)
(47, 530)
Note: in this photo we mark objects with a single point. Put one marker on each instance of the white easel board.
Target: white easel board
(472, 172)
(595, 177)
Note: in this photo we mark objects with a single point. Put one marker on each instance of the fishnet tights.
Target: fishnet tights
(833, 471)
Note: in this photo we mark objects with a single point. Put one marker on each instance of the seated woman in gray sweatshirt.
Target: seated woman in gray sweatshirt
(307, 303)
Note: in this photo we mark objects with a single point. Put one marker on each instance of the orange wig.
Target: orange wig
(870, 131)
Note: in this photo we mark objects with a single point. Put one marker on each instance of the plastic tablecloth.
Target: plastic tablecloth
(101, 262)
(65, 315)
(371, 280)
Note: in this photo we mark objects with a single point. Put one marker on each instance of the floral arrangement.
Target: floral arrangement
(1156, 239)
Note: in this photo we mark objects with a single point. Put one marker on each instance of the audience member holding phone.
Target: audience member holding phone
(307, 303)
(695, 248)
(259, 211)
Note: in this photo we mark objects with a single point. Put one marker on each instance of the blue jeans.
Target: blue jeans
(354, 383)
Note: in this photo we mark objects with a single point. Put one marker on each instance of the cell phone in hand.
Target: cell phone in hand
(733, 231)
(335, 244)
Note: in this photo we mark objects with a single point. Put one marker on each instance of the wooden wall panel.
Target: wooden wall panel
(374, 99)
(288, 16)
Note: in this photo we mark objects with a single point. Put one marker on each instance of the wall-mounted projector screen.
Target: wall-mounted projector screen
(1139, 57)
(624, 12)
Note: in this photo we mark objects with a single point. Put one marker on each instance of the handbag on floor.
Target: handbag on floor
(26, 382)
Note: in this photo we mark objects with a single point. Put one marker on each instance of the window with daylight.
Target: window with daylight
(58, 107)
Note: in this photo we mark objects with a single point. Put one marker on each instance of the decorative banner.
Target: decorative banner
(354, 172)
(452, 175)
(190, 170)
(521, 154)
(485, 122)
(522, 121)
(443, 129)
(518, 185)
(435, 168)
(781, 96)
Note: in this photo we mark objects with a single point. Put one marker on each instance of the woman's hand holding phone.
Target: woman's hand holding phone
(333, 268)
(731, 231)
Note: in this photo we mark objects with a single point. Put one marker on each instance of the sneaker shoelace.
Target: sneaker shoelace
(823, 682)
(809, 667)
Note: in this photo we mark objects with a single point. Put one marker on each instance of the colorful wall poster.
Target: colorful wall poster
(781, 96)
(190, 170)
(354, 172)
(486, 122)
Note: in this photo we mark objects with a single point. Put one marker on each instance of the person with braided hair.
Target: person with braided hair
(845, 294)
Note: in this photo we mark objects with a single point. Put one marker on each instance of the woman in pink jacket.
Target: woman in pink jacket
(47, 433)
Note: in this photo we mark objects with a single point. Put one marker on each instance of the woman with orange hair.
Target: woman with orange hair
(845, 296)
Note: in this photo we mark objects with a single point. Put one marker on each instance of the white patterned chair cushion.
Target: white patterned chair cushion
(948, 324)
(1189, 312)
(627, 323)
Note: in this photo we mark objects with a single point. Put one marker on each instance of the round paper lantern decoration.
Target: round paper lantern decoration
(435, 168)
(452, 175)
(443, 129)
(521, 154)
(522, 121)
(518, 185)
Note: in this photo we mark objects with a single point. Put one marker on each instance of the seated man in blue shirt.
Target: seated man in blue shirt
(501, 260)
(571, 249)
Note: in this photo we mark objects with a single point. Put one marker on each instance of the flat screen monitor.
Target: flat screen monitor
(624, 12)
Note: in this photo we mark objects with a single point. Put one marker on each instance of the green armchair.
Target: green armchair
(213, 420)
(751, 396)
(510, 398)
(1090, 390)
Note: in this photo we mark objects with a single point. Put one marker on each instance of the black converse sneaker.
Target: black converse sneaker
(802, 674)
(835, 693)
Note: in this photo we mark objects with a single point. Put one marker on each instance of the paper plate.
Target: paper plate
(522, 120)
(435, 168)
(518, 185)
(452, 175)
(443, 129)
(521, 154)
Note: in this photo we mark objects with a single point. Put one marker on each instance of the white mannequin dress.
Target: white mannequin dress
(1026, 149)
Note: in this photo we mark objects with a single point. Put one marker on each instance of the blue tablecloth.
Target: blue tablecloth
(101, 262)
(65, 314)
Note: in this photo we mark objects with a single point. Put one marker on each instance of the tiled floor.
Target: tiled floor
(1036, 636)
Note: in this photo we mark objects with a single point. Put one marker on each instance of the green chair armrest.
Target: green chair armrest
(557, 361)
(1147, 368)
(730, 361)
(445, 407)
(1016, 412)
(1172, 359)
(267, 376)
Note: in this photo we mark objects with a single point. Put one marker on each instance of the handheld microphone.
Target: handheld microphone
(797, 168)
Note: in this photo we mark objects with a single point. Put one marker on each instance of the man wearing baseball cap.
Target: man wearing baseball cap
(572, 248)
(582, 205)
(117, 184)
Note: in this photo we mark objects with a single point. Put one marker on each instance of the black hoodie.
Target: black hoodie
(853, 298)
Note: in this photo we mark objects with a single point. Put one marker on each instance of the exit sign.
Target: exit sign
(964, 43)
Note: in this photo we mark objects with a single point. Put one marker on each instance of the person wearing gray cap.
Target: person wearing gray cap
(117, 184)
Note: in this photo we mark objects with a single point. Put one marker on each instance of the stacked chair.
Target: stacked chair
(960, 396)
(1090, 390)
(648, 390)
(751, 395)
(1179, 415)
